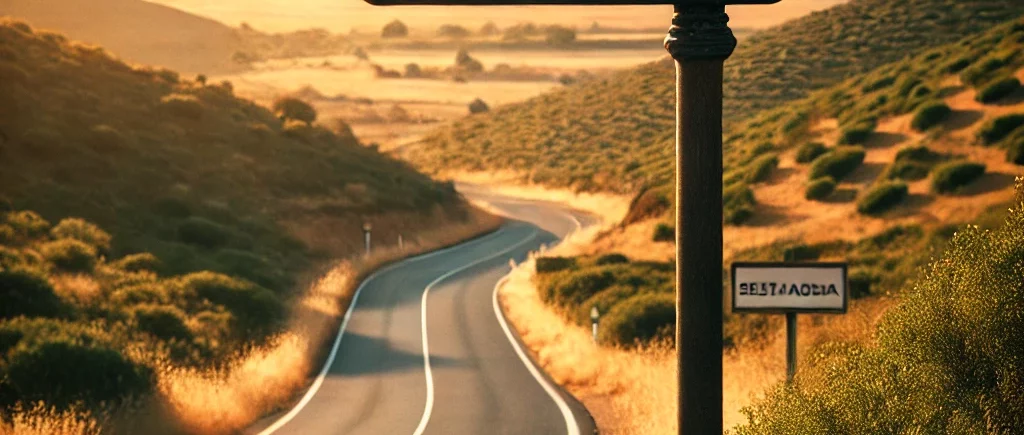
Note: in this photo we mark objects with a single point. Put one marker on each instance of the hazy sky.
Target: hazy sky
(342, 15)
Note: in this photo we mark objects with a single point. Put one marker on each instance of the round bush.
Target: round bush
(882, 197)
(1015, 152)
(664, 233)
(907, 170)
(930, 115)
(163, 322)
(738, 203)
(839, 163)
(576, 287)
(861, 282)
(182, 106)
(554, 264)
(640, 318)
(918, 153)
(997, 90)
(820, 188)
(995, 130)
(70, 255)
(604, 301)
(203, 232)
(26, 293)
(83, 231)
(7, 235)
(954, 175)
(255, 308)
(810, 151)
(613, 258)
(760, 169)
(856, 134)
(143, 261)
(61, 373)
(27, 223)
(145, 293)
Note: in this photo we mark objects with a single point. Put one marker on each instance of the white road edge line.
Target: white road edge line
(344, 323)
(572, 428)
(429, 407)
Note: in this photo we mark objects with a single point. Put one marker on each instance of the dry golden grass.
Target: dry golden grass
(264, 378)
(82, 289)
(40, 420)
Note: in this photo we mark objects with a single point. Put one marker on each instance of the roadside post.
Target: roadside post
(789, 288)
(366, 236)
(699, 40)
(594, 319)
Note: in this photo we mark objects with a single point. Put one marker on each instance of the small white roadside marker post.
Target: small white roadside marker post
(789, 288)
(401, 244)
(594, 316)
(366, 233)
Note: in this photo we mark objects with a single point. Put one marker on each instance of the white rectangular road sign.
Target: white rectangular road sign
(789, 287)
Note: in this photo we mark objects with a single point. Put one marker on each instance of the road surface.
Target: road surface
(478, 378)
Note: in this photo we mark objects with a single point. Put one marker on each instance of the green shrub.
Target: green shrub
(69, 255)
(290, 108)
(554, 264)
(997, 90)
(27, 223)
(856, 134)
(738, 204)
(907, 170)
(880, 83)
(979, 72)
(650, 202)
(838, 163)
(801, 252)
(83, 231)
(1015, 152)
(861, 282)
(810, 151)
(604, 301)
(641, 318)
(173, 208)
(576, 287)
(820, 188)
(882, 197)
(761, 168)
(182, 106)
(163, 322)
(143, 261)
(255, 308)
(27, 293)
(906, 85)
(203, 232)
(953, 175)
(7, 235)
(664, 233)
(930, 115)
(62, 372)
(995, 130)
(613, 258)
(919, 153)
(957, 65)
(945, 360)
(145, 293)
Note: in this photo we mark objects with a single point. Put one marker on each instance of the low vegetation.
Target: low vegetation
(820, 188)
(810, 151)
(950, 177)
(930, 115)
(998, 128)
(838, 163)
(882, 197)
(944, 360)
(998, 89)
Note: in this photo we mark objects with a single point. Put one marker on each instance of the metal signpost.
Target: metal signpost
(366, 236)
(789, 288)
(699, 40)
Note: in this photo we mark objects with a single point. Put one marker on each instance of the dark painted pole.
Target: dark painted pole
(790, 346)
(699, 40)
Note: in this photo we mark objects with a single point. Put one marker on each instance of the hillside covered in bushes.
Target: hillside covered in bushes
(616, 133)
(184, 169)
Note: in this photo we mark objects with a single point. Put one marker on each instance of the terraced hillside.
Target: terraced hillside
(616, 133)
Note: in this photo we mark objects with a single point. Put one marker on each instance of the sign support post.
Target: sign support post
(790, 346)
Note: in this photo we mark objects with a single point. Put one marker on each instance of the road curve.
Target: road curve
(477, 377)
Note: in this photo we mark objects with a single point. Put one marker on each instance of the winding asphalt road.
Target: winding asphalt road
(477, 378)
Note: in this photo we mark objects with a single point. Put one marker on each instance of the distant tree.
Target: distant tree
(245, 26)
(452, 31)
(519, 32)
(201, 79)
(478, 106)
(344, 131)
(413, 70)
(395, 29)
(294, 108)
(489, 29)
(466, 62)
(360, 54)
(559, 36)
